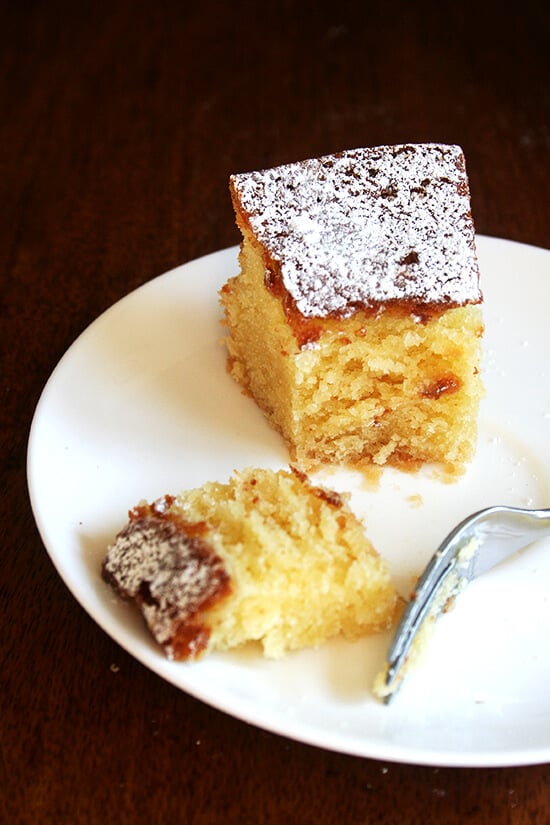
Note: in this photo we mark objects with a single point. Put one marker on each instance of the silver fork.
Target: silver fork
(474, 546)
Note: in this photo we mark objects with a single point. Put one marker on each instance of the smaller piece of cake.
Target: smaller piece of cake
(354, 321)
(265, 557)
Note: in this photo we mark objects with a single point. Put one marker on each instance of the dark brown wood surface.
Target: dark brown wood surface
(119, 126)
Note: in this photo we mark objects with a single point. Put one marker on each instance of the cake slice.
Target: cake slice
(265, 557)
(355, 321)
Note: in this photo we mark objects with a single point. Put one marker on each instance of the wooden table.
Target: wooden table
(120, 124)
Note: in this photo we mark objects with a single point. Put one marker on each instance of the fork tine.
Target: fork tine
(500, 531)
(440, 582)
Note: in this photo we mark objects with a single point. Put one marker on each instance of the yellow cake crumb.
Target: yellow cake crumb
(385, 389)
(270, 557)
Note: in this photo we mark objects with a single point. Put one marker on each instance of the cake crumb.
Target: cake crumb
(266, 557)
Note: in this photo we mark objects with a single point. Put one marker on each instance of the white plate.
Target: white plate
(141, 405)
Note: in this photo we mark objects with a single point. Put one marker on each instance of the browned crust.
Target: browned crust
(177, 611)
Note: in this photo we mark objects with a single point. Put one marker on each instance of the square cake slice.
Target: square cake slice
(355, 321)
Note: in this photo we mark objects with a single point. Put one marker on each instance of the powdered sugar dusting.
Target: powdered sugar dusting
(170, 574)
(366, 227)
